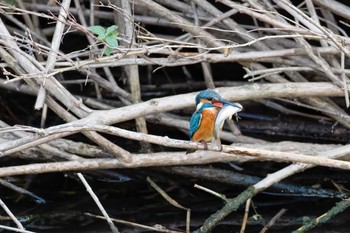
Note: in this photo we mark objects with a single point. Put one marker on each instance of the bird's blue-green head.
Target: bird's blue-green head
(207, 96)
(210, 96)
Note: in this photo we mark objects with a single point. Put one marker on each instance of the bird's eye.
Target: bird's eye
(210, 99)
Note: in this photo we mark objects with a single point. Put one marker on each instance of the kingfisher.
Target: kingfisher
(211, 112)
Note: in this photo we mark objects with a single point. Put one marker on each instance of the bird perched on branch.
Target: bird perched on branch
(207, 121)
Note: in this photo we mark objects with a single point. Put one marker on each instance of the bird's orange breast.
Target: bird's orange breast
(205, 130)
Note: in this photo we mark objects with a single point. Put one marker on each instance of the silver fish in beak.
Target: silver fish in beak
(228, 109)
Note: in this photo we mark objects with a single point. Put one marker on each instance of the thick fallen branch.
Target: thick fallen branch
(252, 91)
(169, 159)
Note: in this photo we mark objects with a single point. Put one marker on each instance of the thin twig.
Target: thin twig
(98, 203)
(221, 196)
(15, 229)
(142, 226)
(273, 220)
(12, 216)
(172, 202)
(245, 216)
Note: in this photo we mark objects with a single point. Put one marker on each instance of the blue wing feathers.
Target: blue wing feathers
(196, 118)
(195, 122)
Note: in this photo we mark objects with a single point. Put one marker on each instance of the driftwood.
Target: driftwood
(285, 63)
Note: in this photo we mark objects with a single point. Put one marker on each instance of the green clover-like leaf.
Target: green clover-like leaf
(111, 41)
(97, 29)
(101, 37)
(113, 34)
(111, 29)
(108, 50)
(108, 35)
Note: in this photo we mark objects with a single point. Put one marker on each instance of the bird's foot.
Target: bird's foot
(189, 151)
(205, 144)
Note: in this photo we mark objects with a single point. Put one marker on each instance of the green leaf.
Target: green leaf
(108, 50)
(101, 36)
(97, 29)
(111, 41)
(113, 34)
(111, 29)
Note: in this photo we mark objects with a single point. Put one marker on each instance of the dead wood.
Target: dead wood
(124, 98)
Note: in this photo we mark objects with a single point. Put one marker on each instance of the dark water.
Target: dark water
(131, 198)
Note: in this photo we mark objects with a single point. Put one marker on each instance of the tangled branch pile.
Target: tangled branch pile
(137, 71)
